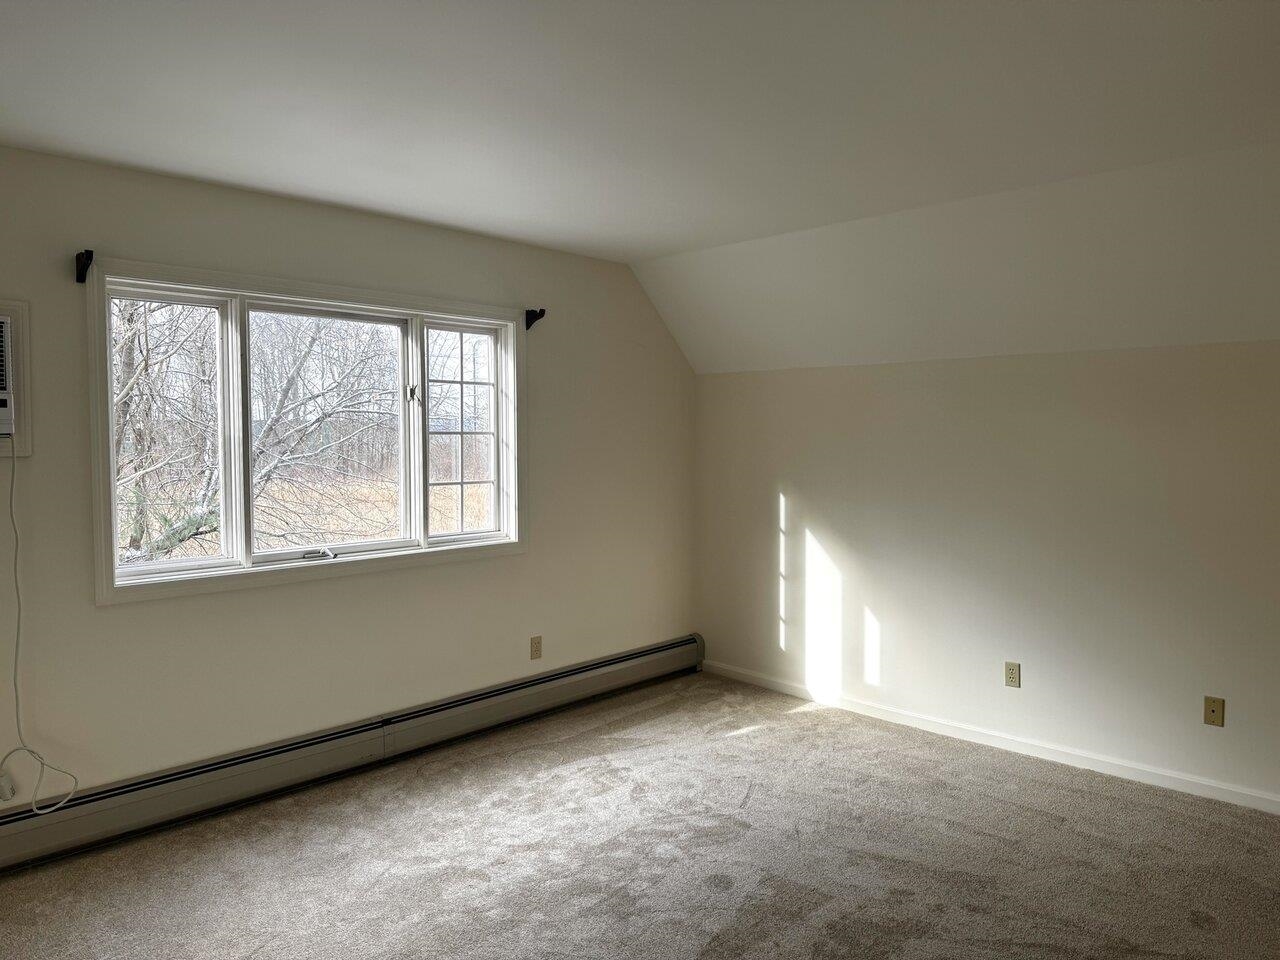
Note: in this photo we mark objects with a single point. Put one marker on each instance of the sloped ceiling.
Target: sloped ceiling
(711, 143)
(1181, 252)
(631, 129)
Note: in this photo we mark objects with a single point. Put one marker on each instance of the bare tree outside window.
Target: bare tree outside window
(166, 438)
(251, 428)
(324, 397)
(325, 407)
(461, 432)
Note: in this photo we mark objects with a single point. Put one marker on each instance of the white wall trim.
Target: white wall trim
(1127, 769)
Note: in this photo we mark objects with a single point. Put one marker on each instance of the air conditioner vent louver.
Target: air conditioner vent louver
(6, 377)
(4, 355)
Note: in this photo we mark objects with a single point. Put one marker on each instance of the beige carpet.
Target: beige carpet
(692, 818)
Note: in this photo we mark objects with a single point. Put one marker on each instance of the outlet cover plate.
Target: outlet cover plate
(535, 648)
(1012, 674)
(1215, 711)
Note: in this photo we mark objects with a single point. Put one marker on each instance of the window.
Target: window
(326, 420)
(254, 426)
(166, 429)
(461, 426)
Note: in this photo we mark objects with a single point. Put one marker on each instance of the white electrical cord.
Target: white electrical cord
(45, 765)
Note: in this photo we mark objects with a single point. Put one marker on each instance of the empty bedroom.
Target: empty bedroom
(703, 480)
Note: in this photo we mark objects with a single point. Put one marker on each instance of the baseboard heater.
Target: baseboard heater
(182, 792)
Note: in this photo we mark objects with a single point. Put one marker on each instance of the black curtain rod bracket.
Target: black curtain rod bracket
(83, 260)
(530, 316)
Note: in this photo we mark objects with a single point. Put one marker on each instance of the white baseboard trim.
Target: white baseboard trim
(1129, 770)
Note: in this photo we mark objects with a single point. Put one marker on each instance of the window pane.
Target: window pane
(443, 510)
(324, 399)
(477, 506)
(477, 457)
(477, 356)
(444, 458)
(442, 407)
(477, 408)
(167, 448)
(443, 353)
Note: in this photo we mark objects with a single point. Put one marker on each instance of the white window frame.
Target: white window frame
(234, 296)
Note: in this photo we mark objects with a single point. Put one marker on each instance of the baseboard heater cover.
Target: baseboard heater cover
(181, 792)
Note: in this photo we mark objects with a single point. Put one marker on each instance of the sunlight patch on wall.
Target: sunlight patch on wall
(782, 571)
(823, 600)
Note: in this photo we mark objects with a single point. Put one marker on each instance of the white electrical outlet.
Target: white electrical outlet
(8, 789)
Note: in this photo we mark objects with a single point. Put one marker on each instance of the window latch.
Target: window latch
(324, 553)
(413, 394)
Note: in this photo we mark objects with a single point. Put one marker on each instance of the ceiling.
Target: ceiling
(1174, 253)
(633, 130)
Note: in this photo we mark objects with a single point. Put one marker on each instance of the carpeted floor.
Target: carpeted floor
(691, 818)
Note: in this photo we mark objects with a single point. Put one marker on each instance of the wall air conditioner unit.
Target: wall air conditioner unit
(15, 411)
(6, 377)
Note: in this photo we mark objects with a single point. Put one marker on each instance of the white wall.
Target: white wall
(1110, 520)
(118, 691)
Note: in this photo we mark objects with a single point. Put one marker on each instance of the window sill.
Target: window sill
(219, 580)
